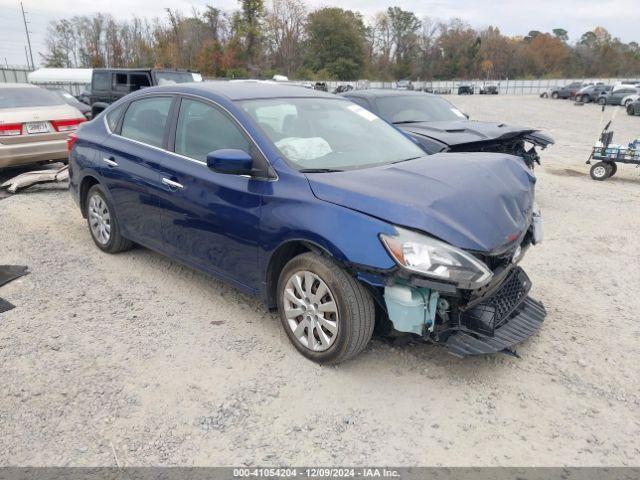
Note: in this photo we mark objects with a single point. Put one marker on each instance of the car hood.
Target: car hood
(475, 201)
(459, 132)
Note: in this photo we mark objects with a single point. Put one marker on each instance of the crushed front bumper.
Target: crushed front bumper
(522, 323)
(484, 321)
(503, 318)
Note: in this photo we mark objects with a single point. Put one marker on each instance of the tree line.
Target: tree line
(283, 37)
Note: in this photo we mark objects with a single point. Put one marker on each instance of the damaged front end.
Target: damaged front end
(491, 318)
(468, 136)
(524, 146)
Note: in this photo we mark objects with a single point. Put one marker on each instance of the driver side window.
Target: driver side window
(202, 129)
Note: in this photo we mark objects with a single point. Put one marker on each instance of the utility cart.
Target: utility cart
(608, 155)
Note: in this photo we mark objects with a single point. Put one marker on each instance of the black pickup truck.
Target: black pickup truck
(111, 84)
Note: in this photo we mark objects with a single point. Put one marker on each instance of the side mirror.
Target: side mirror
(230, 161)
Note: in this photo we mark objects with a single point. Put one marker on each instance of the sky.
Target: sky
(620, 17)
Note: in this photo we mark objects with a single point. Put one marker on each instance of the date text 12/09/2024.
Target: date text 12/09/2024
(317, 472)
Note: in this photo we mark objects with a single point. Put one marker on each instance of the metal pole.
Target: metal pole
(26, 54)
(26, 29)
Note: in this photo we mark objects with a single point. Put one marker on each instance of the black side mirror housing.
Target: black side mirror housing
(230, 161)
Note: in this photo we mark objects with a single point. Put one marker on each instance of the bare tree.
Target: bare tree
(285, 26)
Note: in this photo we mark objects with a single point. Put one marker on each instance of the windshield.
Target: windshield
(65, 95)
(27, 97)
(170, 78)
(417, 108)
(328, 134)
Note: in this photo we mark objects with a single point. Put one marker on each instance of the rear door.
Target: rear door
(131, 160)
(210, 219)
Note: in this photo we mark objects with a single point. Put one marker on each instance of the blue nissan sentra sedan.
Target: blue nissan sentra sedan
(331, 215)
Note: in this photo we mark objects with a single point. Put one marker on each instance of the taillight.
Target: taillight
(71, 141)
(10, 129)
(67, 125)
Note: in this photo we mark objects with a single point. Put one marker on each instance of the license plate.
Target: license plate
(37, 127)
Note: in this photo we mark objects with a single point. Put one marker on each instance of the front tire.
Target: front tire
(600, 171)
(326, 313)
(102, 221)
(555, 95)
(602, 101)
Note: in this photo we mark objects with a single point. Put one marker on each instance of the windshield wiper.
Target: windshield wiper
(410, 121)
(320, 170)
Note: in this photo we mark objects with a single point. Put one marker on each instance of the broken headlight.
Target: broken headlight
(433, 258)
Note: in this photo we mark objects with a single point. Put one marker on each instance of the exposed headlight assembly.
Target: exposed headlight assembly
(438, 260)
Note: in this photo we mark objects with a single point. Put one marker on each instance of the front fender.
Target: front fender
(291, 213)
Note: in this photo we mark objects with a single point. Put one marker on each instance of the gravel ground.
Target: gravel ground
(133, 359)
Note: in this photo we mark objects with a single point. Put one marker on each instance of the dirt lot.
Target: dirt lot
(135, 360)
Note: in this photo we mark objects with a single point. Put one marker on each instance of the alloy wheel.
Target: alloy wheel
(311, 311)
(99, 219)
(600, 172)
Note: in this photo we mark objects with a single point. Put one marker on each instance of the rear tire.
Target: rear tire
(341, 319)
(630, 110)
(613, 169)
(102, 222)
(600, 171)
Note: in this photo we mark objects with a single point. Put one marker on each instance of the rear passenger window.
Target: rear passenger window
(113, 117)
(145, 120)
(203, 129)
(120, 82)
(138, 81)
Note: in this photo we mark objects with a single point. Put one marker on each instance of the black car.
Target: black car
(438, 126)
(568, 91)
(634, 108)
(71, 100)
(465, 90)
(111, 84)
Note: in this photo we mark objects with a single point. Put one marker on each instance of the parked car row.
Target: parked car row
(623, 93)
(323, 208)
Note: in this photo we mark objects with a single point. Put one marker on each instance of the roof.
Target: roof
(60, 75)
(17, 85)
(383, 92)
(244, 90)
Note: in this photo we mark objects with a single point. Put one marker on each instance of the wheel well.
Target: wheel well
(87, 183)
(278, 260)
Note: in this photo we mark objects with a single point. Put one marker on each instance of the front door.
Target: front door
(211, 220)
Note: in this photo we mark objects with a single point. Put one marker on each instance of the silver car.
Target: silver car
(34, 125)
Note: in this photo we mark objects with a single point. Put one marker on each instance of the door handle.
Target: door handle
(171, 184)
(110, 161)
